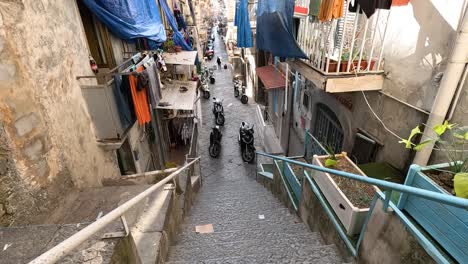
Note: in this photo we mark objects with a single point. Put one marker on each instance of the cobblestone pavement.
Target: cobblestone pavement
(232, 201)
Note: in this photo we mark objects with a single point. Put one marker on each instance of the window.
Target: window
(305, 101)
(98, 38)
(327, 128)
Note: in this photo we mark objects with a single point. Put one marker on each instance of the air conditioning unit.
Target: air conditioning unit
(364, 149)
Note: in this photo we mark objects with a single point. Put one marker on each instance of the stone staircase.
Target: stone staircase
(152, 224)
(234, 208)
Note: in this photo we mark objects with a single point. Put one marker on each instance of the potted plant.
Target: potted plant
(448, 225)
(349, 199)
(169, 46)
(353, 59)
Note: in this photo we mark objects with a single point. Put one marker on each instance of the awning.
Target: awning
(180, 58)
(271, 77)
(174, 99)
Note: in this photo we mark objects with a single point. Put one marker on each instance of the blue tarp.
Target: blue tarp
(176, 36)
(244, 31)
(129, 19)
(274, 28)
(236, 14)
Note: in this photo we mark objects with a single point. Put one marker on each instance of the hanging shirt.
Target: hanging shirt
(331, 9)
(123, 100)
(140, 100)
(314, 7)
(400, 2)
(154, 86)
(369, 6)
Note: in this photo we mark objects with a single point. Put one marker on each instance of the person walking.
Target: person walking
(218, 61)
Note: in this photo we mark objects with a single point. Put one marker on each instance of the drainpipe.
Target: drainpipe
(447, 89)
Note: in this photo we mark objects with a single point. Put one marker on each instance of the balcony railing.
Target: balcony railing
(348, 45)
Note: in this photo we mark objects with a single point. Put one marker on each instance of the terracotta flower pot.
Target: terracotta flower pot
(178, 48)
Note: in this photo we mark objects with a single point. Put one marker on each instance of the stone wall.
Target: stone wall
(386, 240)
(47, 139)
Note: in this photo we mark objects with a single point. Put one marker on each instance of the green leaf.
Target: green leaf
(440, 129)
(414, 132)
(460, 182)
(406, 142)
(330, 163)
(419, 146)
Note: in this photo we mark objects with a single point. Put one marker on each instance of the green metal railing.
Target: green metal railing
(313, 147)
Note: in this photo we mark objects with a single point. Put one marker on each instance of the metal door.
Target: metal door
(327, 129)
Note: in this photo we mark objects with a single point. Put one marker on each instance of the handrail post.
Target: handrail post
(388, 196)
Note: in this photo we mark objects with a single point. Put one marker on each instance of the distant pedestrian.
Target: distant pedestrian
(218, 61)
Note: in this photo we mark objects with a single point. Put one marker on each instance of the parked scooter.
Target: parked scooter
(246, 142)
(204, 88)
(218, 111)
(239, 89)
(215, 142)
(211, 75)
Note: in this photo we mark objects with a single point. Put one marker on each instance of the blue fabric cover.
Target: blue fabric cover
(274, 29)
(129, 19)
(236, 14)
(177, 36)
(244, 31)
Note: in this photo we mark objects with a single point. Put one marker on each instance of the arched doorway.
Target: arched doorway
(327, 128)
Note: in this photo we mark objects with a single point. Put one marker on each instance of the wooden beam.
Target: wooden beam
(312, 75)
(354, 84)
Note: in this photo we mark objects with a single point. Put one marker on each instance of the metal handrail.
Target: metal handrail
(438, 197)
(65, 247)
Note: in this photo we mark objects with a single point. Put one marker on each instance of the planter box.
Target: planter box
(446, 224)
(350, 216)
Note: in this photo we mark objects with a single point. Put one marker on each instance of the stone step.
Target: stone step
(23, 244)
(281, 249)
(291, 258)
(247, 214)
(205, 196)
(222, 210)
(232, 202)
(266, 234)
(276, 224)
(234, 191)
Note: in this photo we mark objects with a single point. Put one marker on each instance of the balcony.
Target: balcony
(346, 53)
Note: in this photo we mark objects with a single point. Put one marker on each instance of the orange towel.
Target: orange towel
(140, 100)
(330, 9)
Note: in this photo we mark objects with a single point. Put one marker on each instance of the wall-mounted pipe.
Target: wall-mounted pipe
(457, 96)
(448, 87)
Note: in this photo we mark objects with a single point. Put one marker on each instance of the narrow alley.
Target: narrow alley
(249, 224)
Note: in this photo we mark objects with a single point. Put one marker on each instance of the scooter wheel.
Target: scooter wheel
(220, 120)
(248, 155)
(212, 80)
(244, 99)
(214, 149)
(236, 93)
(206, 94)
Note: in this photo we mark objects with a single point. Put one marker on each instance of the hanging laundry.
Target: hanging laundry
(400, 2)
(123, 99)
(180, 20)
(154, 88)
(140, 100)
(369, 6)
(314, 7)
(331, 9)
(177, 36)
